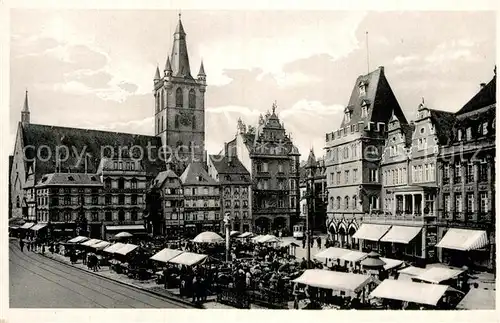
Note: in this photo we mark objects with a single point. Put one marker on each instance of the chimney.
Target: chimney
(482, 85)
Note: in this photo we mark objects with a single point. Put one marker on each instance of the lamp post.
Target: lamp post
(227, 220)
(311, 172)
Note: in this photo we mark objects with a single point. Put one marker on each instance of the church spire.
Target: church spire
(168, 67)
(157, 74)
(25, 112)
(179, 57)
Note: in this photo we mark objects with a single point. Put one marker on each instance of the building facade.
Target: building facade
(180, 106)
(171, 195)
(202, 210)
(466, 212)
(272, 160)
(353, 155)
(235, 189)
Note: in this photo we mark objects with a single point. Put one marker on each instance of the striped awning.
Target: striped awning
(372, 232)
(464, 239)
(401, 234)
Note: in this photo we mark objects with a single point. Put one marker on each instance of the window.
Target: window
(447, 205)
(346, 202)
(483, 171)
(133, 199)
(121, 182)
(338, 202)
(227, 191)
(470, 202)
(193, 122)
(459, 135)
(364, 110)
(121, 216)
(265, 167)
(193, 191)
(432, 173)
(484, 202)
(227, 203)
(458, 203)
(373, 202)
(422, 130)
(176, 121)
(179, 99)
(355, 175)
(347, 116)
(446, 174)
(338, 178)
(354, 202)
(373, 175)
(245, 204)
(192, 99)
(457, 173)
(67, 200)
(426, 172)
(468, 133)
(484, 128)
(133, 183)
(346, 177)
(346, 152)
(95, 199)
(281, 203)
(121, 199)
(205, 190)
(469, 173)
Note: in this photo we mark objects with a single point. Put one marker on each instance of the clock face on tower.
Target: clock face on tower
(186, 117)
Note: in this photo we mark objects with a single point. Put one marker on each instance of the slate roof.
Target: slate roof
(84, 140)
(237, 173)
(73, 179)
(443, 121)
(195, 174)
(485, 97)
(381, 100)
(162, 176)
(311, 160)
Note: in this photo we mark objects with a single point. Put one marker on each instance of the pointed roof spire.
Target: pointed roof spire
(168, 66)
(180, 28)
(157, 73)
(26, 106)
(311, 160)
(180, 58)
(202, 69)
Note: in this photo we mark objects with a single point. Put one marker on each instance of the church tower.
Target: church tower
(25, 112)
(180, 106)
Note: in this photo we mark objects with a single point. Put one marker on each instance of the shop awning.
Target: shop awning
(166, 254)
(391, 263)
(354, 256)
(246, 235)
(126, 249)
(334, 280)
(420, 293)
(331, 253)
(478, 299)
(114, 247)
(463, 239)
(78, 239)
(268, 238)
(401, 234)
(38, 226)
(125, 227)
(90, 242)
(372, 232)
(188, 259)
(411, 271)
(27, 225)
(437, 275)
(101, 245)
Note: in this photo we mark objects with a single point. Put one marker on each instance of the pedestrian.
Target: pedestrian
(296, 303)
(194, 288)
(319, 242)
(303, 242)
(43, 249)
(21, 244)
(28, 245)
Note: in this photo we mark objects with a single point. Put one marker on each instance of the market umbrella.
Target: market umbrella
(208, 237)
(373, 261)
(123, 235)
(234, 233)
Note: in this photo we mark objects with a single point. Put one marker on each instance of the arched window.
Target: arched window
(162, 124)
(331, 202)
(18, 202)
(121, 216)
(133, 215)
(193, 122)
(157, 102)
(162, 95)
(107, 183)
(121, 183)
(192, 99)
(179, 100)
(338, 202)
(176, 123)
(354, 202)
(346, 200)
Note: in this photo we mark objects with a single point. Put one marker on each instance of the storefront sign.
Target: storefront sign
(431, 241)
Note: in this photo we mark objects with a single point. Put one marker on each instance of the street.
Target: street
(38, 282)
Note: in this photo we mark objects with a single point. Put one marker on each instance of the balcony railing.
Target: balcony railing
(391, 218)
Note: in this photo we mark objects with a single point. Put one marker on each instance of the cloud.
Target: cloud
(129, 87)
(453, 50)
(403, 60)
(314, 108)
(233, 109)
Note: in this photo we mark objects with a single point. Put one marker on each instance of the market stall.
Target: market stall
(208, 237)
(420, 294)
(478, 299)
(78, 239)
(188, 259)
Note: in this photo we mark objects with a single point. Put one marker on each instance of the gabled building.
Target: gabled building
(353, 156)
(202, 211)
(271, 158)
(466, 180)
(171, 196)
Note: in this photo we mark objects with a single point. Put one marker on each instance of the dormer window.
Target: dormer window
(364, 109)
(347, 115)
(362, 88)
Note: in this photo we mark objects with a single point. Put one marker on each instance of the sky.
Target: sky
(94, 68)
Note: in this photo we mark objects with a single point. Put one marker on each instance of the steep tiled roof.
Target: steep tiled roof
(408, 132)
(79, 141)
(311, 160)
(162, 176)
(76, 179)
(230, 167)
(195, 174)
(443, 122)
(485, 97)
(380, 99)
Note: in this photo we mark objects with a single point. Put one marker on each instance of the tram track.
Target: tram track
(48, 265)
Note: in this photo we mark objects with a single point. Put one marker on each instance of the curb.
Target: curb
(171, 298)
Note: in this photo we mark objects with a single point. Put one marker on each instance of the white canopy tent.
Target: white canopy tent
(437, 275)
(78, 239)
(268, 238)
(334, 280)
(126, 249)
(208, 237)
(27, 225)
(114, 247)
(188, 259)
(166, 254)
(478, 299)
(420, 293)
(331, 253)
(391, 263)
(353, 256)
(90, 242)
(101, 245)
(246, 235)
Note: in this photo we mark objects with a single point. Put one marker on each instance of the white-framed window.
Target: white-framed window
(458, 202)
(373, 175)
(346, 177)
(364, 111)
(468, 133)
(483, 202)
(347, 116)
(459, 135)
(485, 128)
(470, 202)
(355, 175)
